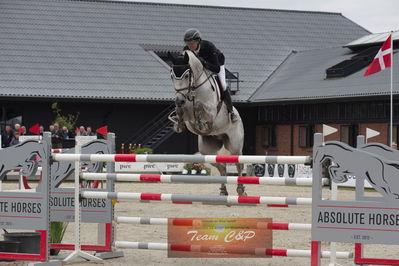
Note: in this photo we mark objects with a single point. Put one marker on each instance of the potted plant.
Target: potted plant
(143, 150)
(194, 168)
(68, 121)
(57, 231)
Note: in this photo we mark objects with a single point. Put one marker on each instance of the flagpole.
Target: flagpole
(391, 126)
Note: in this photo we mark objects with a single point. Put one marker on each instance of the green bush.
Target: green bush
(68, 121)
(143, 151)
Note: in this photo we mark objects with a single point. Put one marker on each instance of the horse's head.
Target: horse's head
(186, 70)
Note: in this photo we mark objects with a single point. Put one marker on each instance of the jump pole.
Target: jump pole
(177, 198)
(199, 179)
(194, 248)
(165, 158)
(199, 222)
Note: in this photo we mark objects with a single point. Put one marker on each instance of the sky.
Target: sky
(376, 16)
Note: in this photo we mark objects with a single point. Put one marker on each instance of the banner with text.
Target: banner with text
(219, 237)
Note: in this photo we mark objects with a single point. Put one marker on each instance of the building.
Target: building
(326, 86)
(106, 60)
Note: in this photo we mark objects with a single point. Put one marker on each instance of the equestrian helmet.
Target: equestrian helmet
(192, 35)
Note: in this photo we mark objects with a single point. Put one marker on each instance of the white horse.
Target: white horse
(200, 109)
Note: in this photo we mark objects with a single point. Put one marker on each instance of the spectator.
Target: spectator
(56, 137)
(41, 130)
(15, 139)
(65, 132)
(51, 128)
(6, 136)
(81, 132)
(17, 127)
(89, 132)
(22, 130)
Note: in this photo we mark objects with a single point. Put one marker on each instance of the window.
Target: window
(306, 136)
(268, 137)
(349, 134)
(352, 65)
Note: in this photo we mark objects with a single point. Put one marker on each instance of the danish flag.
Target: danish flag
(383, 58)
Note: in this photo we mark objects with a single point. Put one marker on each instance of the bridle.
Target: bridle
(190, 95)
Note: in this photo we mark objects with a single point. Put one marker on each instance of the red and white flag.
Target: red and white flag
(383, 58)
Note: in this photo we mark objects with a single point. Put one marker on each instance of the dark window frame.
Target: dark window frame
(268, 136)
(348, 134)
(305, 136)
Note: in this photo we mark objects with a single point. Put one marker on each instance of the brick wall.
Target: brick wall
(284, 138)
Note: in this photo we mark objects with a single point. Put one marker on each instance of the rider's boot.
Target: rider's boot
(229, 104)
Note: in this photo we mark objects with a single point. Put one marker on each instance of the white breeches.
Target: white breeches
(222, 77)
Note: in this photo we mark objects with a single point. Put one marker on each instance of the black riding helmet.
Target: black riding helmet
(192, 35)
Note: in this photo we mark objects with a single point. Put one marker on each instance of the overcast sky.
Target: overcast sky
(374, 15)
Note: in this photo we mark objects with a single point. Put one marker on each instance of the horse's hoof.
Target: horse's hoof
(223, 192)
(241, 191)
(244, 194)
(178, 128)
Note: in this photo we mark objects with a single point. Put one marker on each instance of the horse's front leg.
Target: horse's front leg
(178, 120)
(203, 119)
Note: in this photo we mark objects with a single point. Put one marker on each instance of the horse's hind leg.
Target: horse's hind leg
(234, 145)
(240, 187)
(211, 145)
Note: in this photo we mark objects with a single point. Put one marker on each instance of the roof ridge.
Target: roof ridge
(209, 6)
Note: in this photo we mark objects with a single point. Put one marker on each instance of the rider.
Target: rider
(212, 59)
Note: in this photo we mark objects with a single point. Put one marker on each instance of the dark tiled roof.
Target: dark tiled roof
(303, 77)
(94, 49)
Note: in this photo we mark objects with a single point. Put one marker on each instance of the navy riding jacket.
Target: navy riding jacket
(211, 56)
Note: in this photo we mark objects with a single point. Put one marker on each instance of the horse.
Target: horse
(200, 109)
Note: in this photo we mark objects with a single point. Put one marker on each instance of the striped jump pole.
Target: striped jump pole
(199, 222)
(200, 179)
(179, 198)
(257, 251)
(159, 158)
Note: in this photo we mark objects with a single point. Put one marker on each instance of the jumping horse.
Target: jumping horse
(200, 109)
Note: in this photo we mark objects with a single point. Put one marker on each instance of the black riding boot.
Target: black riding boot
(229, 104)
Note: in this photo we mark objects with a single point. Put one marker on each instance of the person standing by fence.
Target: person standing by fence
(6, 136)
